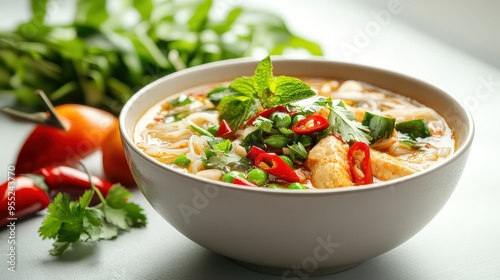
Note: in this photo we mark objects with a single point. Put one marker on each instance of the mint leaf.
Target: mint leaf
(288, 90)
(244, 86)
(263, 75)
(236, 109)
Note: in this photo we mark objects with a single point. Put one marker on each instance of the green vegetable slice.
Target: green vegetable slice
(414, 128)
(381, 127)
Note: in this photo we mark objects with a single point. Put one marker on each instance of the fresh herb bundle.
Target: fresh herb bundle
(103, 57)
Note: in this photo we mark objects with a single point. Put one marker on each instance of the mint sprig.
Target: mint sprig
(260, 91)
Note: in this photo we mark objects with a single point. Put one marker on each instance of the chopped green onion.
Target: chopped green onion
(181, 101)
(200, 130)
(182, 160)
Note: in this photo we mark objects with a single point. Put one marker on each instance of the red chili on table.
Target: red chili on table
(71, 181)
(273, 164)
(311, 124)
(360, 165)
(21, 197)
(27, 194)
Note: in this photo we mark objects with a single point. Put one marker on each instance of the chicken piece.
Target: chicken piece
(328, 164)
(386, 167)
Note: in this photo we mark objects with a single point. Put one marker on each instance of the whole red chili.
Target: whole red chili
(224, 129)
(71, 181)
(360, 165)
(273, 164)
(21, 197)
(311, 124)
(27, 194)
(267, 113)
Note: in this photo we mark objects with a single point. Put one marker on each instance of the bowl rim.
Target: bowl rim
(467, 141)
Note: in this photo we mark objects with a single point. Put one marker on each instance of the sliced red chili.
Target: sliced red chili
(311, 124)
(274, 165)
(360, 165)
(242, 182)
(254, 152)
(267, 113)
(224, 129)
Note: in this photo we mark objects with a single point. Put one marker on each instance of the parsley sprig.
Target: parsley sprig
(69, 221)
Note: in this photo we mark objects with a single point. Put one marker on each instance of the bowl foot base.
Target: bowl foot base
(291, 273)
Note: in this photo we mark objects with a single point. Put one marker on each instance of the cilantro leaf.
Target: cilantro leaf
(342, 121)
(117, 198)
(72, 221)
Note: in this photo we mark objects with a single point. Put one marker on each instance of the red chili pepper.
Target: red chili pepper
(310, 125)
(360, 165)
(224, 129)
(29, 193)
(254, 152)
(273, 164)
(21, 197)
(243, 182)
(71, 181)
(267, 113)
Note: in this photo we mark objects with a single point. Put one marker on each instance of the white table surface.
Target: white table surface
(461, 242)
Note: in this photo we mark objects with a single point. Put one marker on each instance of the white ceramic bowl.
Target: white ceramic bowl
(288, 232)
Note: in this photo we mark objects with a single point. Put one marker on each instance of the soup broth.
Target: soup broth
(292, 147)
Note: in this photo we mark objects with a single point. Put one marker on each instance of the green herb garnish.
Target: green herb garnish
(343, 122)
(381, 127)
(182, 160)
(73, 221)
(262, 90)
(414, 128)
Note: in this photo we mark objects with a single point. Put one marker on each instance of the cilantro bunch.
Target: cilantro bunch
(73, 221)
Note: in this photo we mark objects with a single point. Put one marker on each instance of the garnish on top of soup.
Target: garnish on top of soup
(290, 133)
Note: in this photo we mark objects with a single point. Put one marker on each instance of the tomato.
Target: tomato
(114, 163)
(86, 128)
